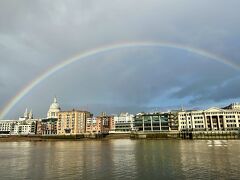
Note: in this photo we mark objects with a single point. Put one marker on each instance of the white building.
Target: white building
(18, 127)
(54, 109)
(123, 123)
(25, 125)
(6, 126)
(212, 119)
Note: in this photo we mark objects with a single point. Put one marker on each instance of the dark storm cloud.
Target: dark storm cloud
(224, 91)
(35, 35)
(206, 84)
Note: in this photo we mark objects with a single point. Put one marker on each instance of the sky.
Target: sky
(37, 35)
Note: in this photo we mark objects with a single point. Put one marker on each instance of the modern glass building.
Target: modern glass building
(151, 122)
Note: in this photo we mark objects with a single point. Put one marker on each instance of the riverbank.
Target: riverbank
(191, 135)
(197, 135)
(79, 137)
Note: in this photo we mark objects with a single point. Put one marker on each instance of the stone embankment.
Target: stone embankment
(86, 136)
(194, 135)
(187, 135)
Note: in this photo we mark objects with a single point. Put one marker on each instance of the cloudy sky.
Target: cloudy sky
(37, 35)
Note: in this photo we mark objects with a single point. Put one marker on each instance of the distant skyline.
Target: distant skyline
(38, 35)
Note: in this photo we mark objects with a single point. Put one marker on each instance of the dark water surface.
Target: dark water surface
(121, 159)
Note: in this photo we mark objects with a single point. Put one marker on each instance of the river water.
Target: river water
(121, 159)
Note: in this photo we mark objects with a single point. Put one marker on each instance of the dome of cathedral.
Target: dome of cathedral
(54, 109)
(55, 105)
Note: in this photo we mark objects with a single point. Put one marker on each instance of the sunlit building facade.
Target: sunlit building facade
(7, 126)
(106, 122)
(47, 126)
(93, 125)
(25, 125)
(123, 123)
(212, 119)
(72, 122)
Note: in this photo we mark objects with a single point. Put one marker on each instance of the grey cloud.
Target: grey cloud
(118, 80)
(222, 92)
(35, 35)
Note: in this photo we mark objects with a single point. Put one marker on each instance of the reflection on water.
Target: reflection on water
(210, 159)
(120, 159)
(217, 143)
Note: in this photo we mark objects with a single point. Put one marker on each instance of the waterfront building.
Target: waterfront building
(54, 109)
(173, 120)
(72, 122)
(93, 125)
(6, 126)
(47, 126)
(106, 122)
(151, 122)
(212, 119)
(123, 123)
(25, 127)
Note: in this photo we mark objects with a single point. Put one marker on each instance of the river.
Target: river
(121, 159)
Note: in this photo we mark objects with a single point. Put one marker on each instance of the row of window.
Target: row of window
(68, 116)
(198, 122)
(3, 129)
(195, 114)
(199, 126)
(184, 127)
(230, 120)
(231, 125)
(230, 116)
(198, 117)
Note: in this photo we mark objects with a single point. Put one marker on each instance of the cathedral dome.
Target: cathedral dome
(54, 109)
(55, 105)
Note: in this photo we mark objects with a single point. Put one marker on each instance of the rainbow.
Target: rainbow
(82, 55)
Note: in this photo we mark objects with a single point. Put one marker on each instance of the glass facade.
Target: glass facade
(151, 122)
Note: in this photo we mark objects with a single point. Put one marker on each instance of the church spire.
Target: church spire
(55, 99)
(26, 113)
(30, 115)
